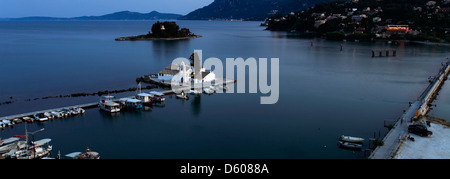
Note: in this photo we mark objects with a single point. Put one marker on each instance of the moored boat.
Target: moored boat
(66, 112)
(28, 119)
(36, 150)
(77, 111)
(208, 91)
(107, 104)
(40, 117)
(130, 103)
(57, 114)
(17, 120)
(182, 96)
(351, 139)
(145, 98)
(350, 145)
(49, 115)
(158, 97)
(88, 154)
(7, 122)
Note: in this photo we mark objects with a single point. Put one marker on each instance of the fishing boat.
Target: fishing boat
(40, 117)
(28, 119)
(350, 145)
(35, 150)
(351, 139)
(130, 103)
(145, 98)
(158, 97)
(107, 104)
(182, 96)
(88, 154)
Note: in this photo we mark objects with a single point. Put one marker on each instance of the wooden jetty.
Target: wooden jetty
(385, 52)
(420, 107)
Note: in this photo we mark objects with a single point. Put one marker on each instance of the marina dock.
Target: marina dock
(421, 107)
(219, 82)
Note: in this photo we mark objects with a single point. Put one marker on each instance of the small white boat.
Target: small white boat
(182, 96)
(7, 122)
(77, 111)
(40, 117)
(208, 91)
(17, 120)
(351, 139)
(28, 119)
(57, 114)
(87, 155)
(66, 112)
(80, 110)
(49, 115)
(350, 145)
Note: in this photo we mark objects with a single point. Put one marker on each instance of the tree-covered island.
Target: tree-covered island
(416, 20)
(163, 31)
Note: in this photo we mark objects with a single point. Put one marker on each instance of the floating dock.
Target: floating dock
(393, 139)
(219, 82)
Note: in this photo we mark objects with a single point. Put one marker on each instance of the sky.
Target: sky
(75, 8)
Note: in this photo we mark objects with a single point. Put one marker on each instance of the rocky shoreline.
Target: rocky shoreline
(143, 38)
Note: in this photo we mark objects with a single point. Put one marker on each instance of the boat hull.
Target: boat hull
(349, 145)
(351, 139)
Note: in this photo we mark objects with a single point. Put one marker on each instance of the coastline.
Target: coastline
(138, 38)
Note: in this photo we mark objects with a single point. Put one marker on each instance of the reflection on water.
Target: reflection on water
(196, 104)
(165, 49)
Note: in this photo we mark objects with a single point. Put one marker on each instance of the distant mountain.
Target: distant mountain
(123, 15)
(248, 9)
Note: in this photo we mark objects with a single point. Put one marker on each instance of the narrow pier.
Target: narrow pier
(385, 52)
(219, 82)
(393, 139)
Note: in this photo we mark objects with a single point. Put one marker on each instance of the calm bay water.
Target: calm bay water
(324, 92)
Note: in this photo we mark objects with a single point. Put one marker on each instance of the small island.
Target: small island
(163, 31)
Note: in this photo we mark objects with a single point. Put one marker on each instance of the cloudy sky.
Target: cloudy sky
(74, 8)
